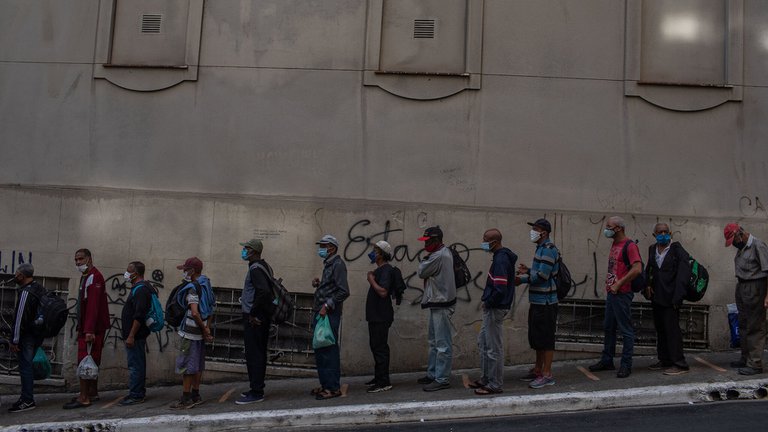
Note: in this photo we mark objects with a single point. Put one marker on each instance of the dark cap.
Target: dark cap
(192, 263)
(543, 224)
(255, 244)
(432, 232)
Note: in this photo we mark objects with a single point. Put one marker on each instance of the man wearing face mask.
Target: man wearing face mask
(542, 296)
(751, 263)
(440, 298)
(25, 339)
(330, 292)
(670, 273)
(379, 314)
(255, 302)
(618, 302)
(498, 295)
(135, 331)
(92, 323)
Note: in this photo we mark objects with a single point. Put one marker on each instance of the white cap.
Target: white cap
(328, 239)
(385, 247)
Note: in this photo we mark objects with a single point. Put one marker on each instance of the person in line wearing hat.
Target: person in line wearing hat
(194, 332)
(330, 292)
(498, 295)
(751, 263)
(379, 314)
(542, 296)
(618, 300)
(440, 298)
(255, 302)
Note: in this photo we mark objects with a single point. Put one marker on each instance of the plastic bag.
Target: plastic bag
(88, 369)
(323, 336)
(41, 367)
(733, 323)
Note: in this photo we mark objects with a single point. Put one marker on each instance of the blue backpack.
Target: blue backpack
(155, 318)
(207, 297)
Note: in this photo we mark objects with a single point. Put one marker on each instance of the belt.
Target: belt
(751, 280)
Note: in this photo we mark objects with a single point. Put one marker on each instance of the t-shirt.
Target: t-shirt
(379, 309)
(616, 267)
(189, 329)
(136, 308)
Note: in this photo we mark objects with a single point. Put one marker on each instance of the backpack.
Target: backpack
(175, 307)
(639, 283)
(461, 274)
(282, 302)
(52, 313)
(697, 285)
(207, 303)
(399, 285)
(563, 279)
(155, 319)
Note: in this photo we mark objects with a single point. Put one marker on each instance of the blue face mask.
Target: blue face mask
(486, 246)
(372, 256)
(244, 254)
(609, 233)
(322, 253)
(663, 239)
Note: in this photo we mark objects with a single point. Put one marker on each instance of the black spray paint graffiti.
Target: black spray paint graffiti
(15, 259)
(751, 207)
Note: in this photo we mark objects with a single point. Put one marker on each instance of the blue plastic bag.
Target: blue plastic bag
(323, 336)
(733, 323)
(41, 367)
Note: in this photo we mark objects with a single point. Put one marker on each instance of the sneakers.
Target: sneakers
(183, 403)
(130, 400)
(676, 370)
(379, 388)
(741, 363)
(600, 366)
(249, 398)
(425, 380)
(435, 386)
(750, 371)
(370, 383)
(623, 372)
(196, 400)
(20, 406)
(530, 376)
(659, 366)
(542, 381)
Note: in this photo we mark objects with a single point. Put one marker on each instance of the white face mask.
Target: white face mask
(127, 276)
(82, 268)
(185, 276)
(535, 236)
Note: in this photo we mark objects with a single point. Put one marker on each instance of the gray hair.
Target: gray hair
(26, 269)
(619, 221)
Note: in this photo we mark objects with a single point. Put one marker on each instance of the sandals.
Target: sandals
(75, 404)
(316, 391)
(328, 394)
(476, 384)
(485, 390)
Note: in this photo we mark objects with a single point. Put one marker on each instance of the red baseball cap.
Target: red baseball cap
(192, 263)
(729, 232)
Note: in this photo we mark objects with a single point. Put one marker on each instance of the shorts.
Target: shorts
(542, 323)
(191, 358)
(96, 346)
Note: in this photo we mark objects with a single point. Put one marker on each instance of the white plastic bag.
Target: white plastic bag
(87, 369)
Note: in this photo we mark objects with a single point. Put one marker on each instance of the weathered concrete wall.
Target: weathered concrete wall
(278, 133)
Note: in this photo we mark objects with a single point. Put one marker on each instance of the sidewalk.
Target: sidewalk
(288, 403)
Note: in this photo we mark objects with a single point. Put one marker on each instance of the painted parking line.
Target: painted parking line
(226, 395)
(111, 404)
(706, 363)
(588, 374)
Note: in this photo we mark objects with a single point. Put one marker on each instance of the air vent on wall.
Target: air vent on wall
(424, 29)
(150, 23)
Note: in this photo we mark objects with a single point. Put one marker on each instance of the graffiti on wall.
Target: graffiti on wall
(10, 261)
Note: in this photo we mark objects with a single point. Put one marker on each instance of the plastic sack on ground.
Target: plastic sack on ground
(733, 323)
(41, 367)
(323, 336)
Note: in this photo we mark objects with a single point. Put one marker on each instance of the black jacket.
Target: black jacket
(27, 304)
(669, 282)
(136, 308)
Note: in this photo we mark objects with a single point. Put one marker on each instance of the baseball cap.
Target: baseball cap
(192, 263)
(432, 232)
(384, 246)
(328, 239)
(254, 244)
(543, 224)
(729, 232)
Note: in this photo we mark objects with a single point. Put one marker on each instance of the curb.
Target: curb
(370, 414)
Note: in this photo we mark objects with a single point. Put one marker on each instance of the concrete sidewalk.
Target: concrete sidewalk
(289, 405)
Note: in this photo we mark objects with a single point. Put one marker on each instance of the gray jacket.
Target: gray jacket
(333, 288)
(440, 285)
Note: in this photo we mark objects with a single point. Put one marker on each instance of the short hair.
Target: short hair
(387, 257)
(660, 223)
(139, 267)
(619, 221)
(85, 252)
(28, 270)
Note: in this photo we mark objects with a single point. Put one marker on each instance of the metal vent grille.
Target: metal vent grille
(424, 29)
(150, 23)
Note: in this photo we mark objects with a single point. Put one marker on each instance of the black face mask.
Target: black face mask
(739, 245)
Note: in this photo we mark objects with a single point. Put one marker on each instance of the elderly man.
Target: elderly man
(751, 296)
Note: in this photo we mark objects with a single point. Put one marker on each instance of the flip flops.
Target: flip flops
(328, 394)
(476, 384)
(316, 391)
(485, 390)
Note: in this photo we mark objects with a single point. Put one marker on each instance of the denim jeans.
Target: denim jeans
(255, 339)
(489, 342)
(27, 348)
(137, 369)
(328, 359)
(440, 344)
(618, 316)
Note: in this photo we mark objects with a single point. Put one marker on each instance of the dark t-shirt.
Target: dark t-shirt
(136, 308)
(379, 309)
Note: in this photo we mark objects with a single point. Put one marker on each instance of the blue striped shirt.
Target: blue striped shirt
(542, 288)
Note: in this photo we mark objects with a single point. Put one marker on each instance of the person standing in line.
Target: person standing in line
(135, 331)
(380, 314)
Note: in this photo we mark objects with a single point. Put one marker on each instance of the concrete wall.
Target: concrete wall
(278, 134)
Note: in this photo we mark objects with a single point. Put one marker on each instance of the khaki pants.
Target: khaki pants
(750, 295)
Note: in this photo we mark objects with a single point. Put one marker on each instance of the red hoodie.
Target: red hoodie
(93, 310)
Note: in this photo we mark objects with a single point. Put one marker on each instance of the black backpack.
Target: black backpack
(282, 302)
(640, 282)
(697, 285)
(52, 313)
(563, 280)
(175, 308)
(461, 274)
(399, 286)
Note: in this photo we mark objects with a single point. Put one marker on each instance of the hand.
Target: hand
(323, 311)
(15, 348)
(255, 322)
(130, 341)
(518, 281)
(614, 288)
(522, 268)
(207, 334)
(371, 278)
(90, 337)
(315, 283)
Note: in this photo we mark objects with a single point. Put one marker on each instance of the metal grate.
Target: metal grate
(424, 29)
(52, 346)
(290, 344)
(581, 321)
(151, 23)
